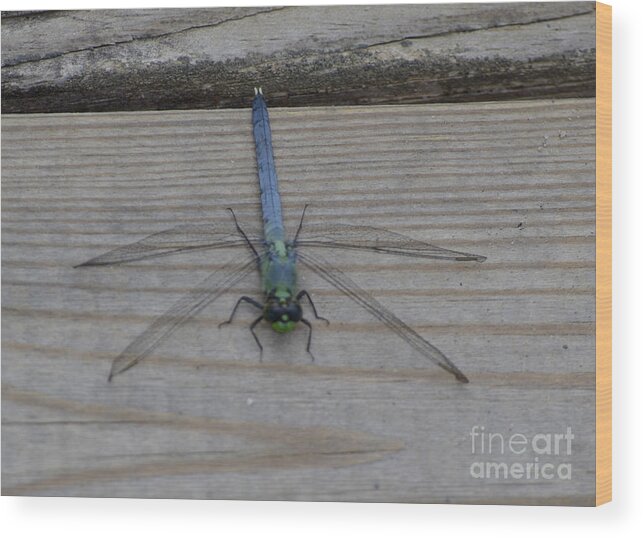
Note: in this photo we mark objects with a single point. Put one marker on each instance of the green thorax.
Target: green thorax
(278, 270)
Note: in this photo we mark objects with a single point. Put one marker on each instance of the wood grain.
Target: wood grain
(604, 254)
(111, 60)
(369, 420)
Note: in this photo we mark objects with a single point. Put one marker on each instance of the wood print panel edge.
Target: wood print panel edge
(603, 253)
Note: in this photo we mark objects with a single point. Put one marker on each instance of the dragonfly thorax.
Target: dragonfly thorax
(282, 311)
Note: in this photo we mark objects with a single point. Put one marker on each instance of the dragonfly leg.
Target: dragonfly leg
(243, 234)
(252, 330)
(301, 223)
(310, 335)
(243, 299)
(304, 293)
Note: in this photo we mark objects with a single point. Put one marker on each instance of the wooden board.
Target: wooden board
(109, 60)
(370, 420)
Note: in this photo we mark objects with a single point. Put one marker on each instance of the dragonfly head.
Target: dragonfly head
(282, 311)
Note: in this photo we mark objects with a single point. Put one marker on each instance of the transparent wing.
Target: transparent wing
(185, 308)
(344, 284)
(179, 239)
(377, 240)
(201, 237)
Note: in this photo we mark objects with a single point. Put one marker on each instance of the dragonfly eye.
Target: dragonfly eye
(274, 312)
(293, 311)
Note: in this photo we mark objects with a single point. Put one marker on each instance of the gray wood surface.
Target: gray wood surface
(110, 60)
(370, 420)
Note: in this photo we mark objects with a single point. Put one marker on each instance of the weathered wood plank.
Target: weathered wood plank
(369, 420)
(107, 60)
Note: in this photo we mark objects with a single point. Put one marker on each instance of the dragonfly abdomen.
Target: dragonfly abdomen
(268, 181)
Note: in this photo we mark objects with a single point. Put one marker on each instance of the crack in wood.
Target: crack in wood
(473, 30)
(143, 39)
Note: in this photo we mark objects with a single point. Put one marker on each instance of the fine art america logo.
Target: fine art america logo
(518, 456)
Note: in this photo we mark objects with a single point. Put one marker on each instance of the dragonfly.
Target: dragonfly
(276, 258)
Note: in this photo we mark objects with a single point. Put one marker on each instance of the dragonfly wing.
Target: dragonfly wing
(184, 309)
(179, 239)
(378, 240)
(344, 284)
